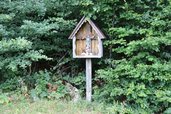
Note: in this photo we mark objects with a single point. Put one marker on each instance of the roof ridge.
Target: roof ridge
(81, 22)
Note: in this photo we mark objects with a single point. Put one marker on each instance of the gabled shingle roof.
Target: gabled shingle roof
(82, 21)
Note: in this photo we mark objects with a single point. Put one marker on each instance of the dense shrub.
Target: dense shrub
(45, 86)
(137, 67)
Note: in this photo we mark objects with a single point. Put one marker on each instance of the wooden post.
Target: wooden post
(88, 79)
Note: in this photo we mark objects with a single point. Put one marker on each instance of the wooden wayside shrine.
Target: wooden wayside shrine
(87, 43)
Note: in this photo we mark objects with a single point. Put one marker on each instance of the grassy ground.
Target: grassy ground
(49, 107)
(65, 107)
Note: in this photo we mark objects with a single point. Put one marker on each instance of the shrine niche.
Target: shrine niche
(87, 40)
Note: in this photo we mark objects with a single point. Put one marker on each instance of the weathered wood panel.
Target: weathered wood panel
(95, 49)
(81, 35)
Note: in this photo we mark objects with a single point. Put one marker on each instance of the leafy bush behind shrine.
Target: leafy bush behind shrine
(135, 69)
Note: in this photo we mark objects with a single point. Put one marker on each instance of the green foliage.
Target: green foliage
(37, 27)
(78, 81)
(167, 111)
(17, 54)
(10, 85)
(4, 99)
(46, 87)
(137, 69)
(14, 45)
(33, 37)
